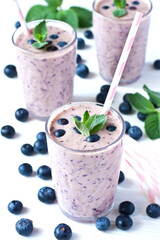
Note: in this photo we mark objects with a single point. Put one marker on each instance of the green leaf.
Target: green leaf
(40, 31)
(152, 125)
(98, 127)
(154, 96)
(84, 16)
(39, 45)
(37, 12)
(68, 16)
(119, 12)
(81, 127)
(85, 116)
(120, 3)
(54, 3)
(95, 121)
(141, 103)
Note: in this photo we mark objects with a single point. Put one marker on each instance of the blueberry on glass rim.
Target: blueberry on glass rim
(24, 226)
(25, 169)
(44, 172)
(10, 71)
(62, 232)
(15, 207)
(27, 149)
(81, 43)
(82, 70)
(88, 34)
(123, 222)
(7, 131)
(46, 195)
(102, 223)
(121, 177)
(126, 208)
(21, 114)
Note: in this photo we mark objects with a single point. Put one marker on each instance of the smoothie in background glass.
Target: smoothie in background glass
(110, 36)
(47, 74)
(85, 174)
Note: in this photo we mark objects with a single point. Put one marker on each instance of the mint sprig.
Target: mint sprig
(77, 17)
(40, 34)
(120, 11)
(90, 124)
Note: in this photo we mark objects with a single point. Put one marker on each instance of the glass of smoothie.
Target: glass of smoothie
(47, 73)
(111, 33)
(85, 173)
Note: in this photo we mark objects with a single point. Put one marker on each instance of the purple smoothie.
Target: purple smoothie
(110, 36)
(85, 174)
(47, 76)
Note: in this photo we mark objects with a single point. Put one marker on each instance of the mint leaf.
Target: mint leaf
(152, 125)
(120, 3)
(119, 12)
(141, 103)
(39, 45)
(68, 16)
(40, 31)
(37, 12)
(154, 96)
(85, 116)
(84, 16)
(81, 127)
(54, 3)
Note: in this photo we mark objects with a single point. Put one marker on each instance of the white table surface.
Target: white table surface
(14, 186)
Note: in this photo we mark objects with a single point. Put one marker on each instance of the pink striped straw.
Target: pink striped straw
(122, 62)
(22, 20)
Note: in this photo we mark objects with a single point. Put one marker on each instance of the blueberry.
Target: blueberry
(105, 89)
(121, 177)
(17, 24)
(82, 70)
(59, 133)
(156, 64)
(52, 48)
(126, 208)
(62, 44)
(54, 36)
(40, 147)
(141, 116)
(102, 223)
(7, 131)
(123, 222)
(76, 130)
(88, 34)
(153, 210)
(100, 98)
(44, 172)
(31, 41)
(78, 58)
(25, 169)
(132, 8)
(15, 207)
(128, 125)
(93, 138)
(125, 98)
(78, 118)
(27, 149)
(46, 195)
(105, 7)
(135, 2)
(125, 108)
(63, 121)
(24, 227)
(41, 136)
(111, 128)
(81, 43)
(135, 132)
(49, 42)
(10, 71)
(21, 114)
(63, 232)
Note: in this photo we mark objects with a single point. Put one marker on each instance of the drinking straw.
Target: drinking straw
(122, 62)
(22, 19)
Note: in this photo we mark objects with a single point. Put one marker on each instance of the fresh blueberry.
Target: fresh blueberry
(102, 223)
(128, 125)
(93, 138)
(78, 118)
(54, 36)
(125, 98)
(82, 70)
(7, 131)
(31, 41)
(81, 43)
(132, 8)
(46, 195)
(135, 132)
(27, 149)
(141, 116)
(40, 147)
(52, 48)
(156, 64)
(44, 172)
(62, 44)
(125, 108)
(63, 232)
(10, 71)
(105, 7)
(153, 210)
(25, 169)
(88, 34)
(100, 98)
(21, 114)
(135, 2)
(63, 121)
(59, 133)
(41, 136)
(105, 89)
(124, 222)
(111, 128)
(15, 207)
(76, 130)
(24, 227)
(49, 42)
(17, 24)
(121, 177)
(126, 208)
(78, 58)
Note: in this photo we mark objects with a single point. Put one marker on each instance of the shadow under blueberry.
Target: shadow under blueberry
(36, 231)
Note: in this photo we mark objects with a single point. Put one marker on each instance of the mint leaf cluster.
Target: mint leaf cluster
(77, 17)
(40, 34)
(151, 107)
(90, 124)
(120, 11)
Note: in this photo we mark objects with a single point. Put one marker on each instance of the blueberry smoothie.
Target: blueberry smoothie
(46, 73)
(110, 36)
(84, 172)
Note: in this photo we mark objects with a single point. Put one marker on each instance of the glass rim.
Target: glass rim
(47, 20)
(121, 19)
(84, 151)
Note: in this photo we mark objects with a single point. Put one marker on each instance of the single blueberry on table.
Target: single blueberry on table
(59, 133)
(106, 7)
(44, 172)
(128, 125)
(52, 48)
(24, 227)
(31, 41)
(46, 195)
(124, 222)
(21, 114)
(156, 64)
(81, 43)
(27, 149)
(54, 36)
(102, 223)
(41, 136)
(125, 108)
(153, 210)
(63, 232)
(10, 71)
(93, 138)
(88, 34)
(135, 132)
(78, 58)
(15, 207)
(121, 177)
(40, 147)
(136, 2)
(76, 130)
(141, 116)
(111, 128)
(125, 98)
(126, 208)
(63, 121)
(82, 70)
(17, 24)
(25, 169)
(100, 98)
(62, 44)
(7, 131)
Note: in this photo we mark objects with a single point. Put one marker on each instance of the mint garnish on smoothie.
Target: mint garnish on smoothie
(120, 11)
(40, 34)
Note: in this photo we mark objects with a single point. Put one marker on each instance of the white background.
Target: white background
(14, 186)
